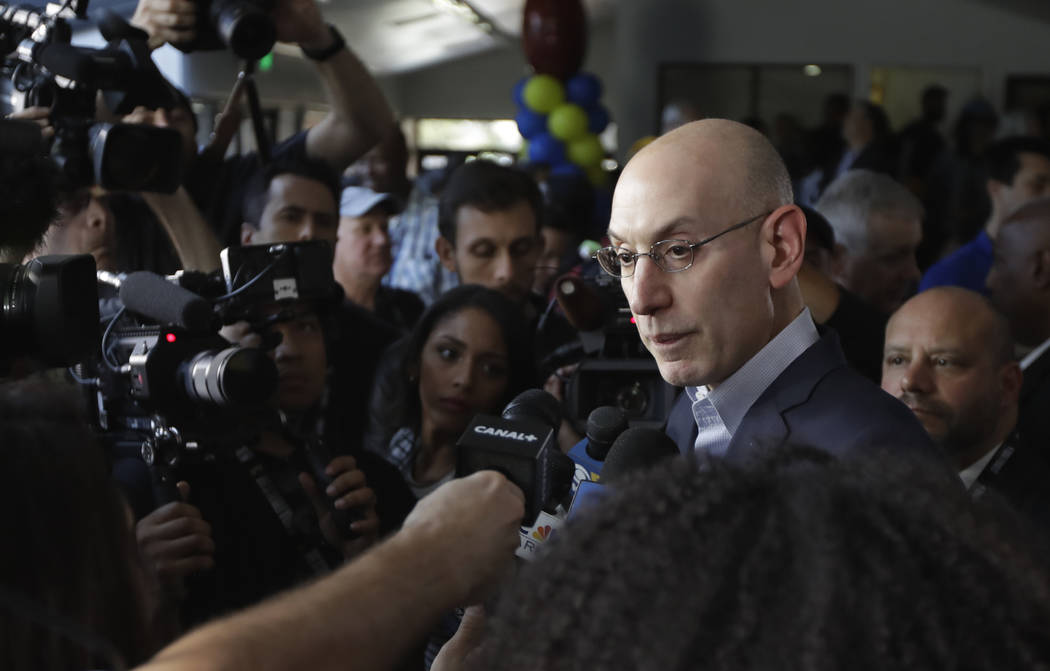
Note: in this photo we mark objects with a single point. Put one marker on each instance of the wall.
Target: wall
(626, 52)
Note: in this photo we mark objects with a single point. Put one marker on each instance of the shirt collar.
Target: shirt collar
(970, 474)
(735, 396)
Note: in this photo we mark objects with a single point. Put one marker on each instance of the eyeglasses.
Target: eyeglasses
(670, 256)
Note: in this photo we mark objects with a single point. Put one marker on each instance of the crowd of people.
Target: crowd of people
(812, 519)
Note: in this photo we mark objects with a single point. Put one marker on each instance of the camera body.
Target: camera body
(618, 371)
(180, 392)
(42, 68)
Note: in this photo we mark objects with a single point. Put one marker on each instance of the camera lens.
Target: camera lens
(233, 376)
(249, 31)
(633, 400)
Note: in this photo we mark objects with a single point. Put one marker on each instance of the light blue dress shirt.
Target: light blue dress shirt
(719, 411)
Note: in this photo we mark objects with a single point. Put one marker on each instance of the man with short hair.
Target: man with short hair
(291, 201)
(489, 224)
(707, 242)
(949, 358)
(1019, 286)
(1018, 172)
(878, 224)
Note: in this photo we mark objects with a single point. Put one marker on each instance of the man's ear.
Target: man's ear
(1041, 268)
(247, 233)
(784, 234)
(1010, 379)
(446, 253)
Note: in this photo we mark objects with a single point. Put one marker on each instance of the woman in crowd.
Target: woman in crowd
(470, 353)
(72, 594)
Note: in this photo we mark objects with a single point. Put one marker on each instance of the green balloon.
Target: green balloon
(543, 93)
(587, 151)
(567, 122)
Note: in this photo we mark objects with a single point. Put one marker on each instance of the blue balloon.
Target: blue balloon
(567, 170)
(530, 123)
(519, 92)
(584, 89)
(597, 119)
(545, 148)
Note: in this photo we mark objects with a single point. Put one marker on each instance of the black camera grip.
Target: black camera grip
(317, 458)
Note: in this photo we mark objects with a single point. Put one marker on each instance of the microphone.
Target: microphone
(154, 297)
(522, 444)
(636, 449)
(104, 68)
(604, 425)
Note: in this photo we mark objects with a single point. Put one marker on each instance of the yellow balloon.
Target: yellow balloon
(567, 122)
(587, 151)
(542, 93)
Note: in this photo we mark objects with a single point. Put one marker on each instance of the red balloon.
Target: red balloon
(554, 36)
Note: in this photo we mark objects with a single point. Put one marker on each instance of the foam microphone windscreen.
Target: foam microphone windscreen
(93, 66)
(156, 298)
(637, 449)
(582, 305)
(537, 405)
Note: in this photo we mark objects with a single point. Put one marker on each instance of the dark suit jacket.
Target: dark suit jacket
(1020, 476)
(1033, 414)
(818, 402)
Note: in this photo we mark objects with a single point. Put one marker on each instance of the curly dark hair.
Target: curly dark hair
(796, 561)
(395, 399)
(71, 594)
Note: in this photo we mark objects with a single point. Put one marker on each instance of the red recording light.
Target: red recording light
(633, 321)
(170, 337)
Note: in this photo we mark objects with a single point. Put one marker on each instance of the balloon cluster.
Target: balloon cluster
(561, 121)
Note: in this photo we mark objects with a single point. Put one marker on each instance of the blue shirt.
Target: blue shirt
(416, 266)
(719, 411)
(966, 267)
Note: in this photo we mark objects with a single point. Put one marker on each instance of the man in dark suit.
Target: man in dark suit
(949, 357)
(1019, 285)
(709, 207)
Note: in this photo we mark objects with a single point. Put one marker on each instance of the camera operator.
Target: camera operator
(360, 115)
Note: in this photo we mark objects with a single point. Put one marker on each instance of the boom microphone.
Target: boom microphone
(154, 297)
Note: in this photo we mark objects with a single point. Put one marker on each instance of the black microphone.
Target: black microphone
(154, 297)
(102, 68)
(637, 449)
(521, 444)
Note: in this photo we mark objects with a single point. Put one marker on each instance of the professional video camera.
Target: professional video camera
(166, 385)
(617, 370)
(245, 26)
(41, 67)
(48, 307)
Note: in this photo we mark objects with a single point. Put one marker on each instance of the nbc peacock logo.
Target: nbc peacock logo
(542, 533)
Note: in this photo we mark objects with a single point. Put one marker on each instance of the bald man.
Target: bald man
(1019, 285)
(949, 358)
(706, 243)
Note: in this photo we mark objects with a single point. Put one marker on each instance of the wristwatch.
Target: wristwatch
(321, 55)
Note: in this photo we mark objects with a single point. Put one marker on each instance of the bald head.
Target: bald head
(731, 155)
(1019, 280)
(949, 357)
(717, 198)
(958, 311)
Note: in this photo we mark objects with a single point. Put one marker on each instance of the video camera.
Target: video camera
(245, 26)
(617, 370)
(166, 385)
(41, 67)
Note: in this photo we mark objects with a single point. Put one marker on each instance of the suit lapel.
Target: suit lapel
(765, 425)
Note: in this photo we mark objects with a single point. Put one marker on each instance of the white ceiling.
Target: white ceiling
(396, 36)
